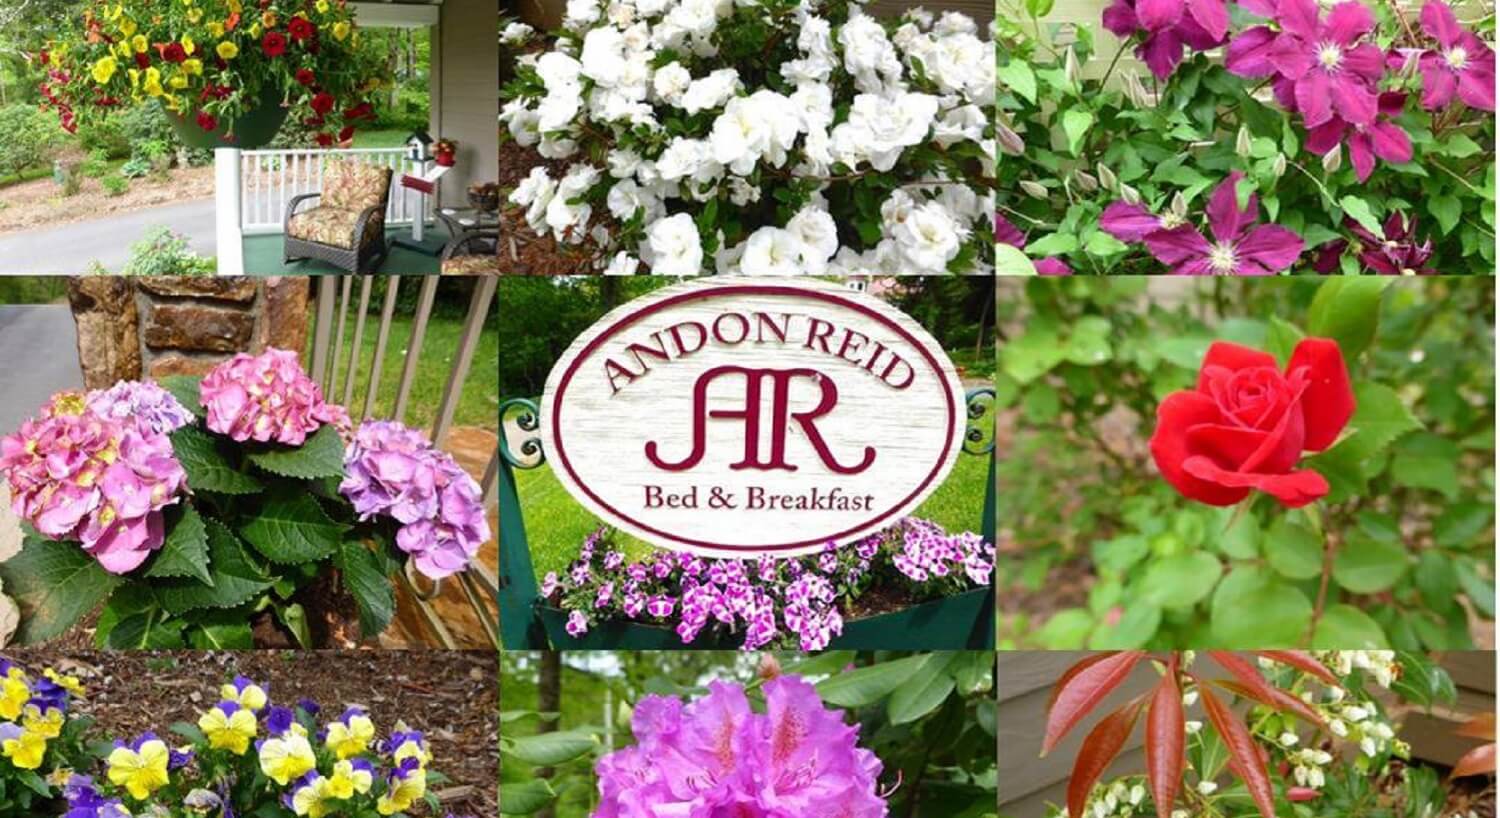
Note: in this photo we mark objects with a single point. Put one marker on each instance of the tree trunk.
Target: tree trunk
(549, 700)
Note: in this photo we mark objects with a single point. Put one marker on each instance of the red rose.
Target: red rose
(325, 139)
(142, 60)
(1247, 424)
(174, 52)
(300, 28)
(273, 44)
(305, 76)
(207, 122)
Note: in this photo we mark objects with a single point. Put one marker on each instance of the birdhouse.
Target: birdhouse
(418, 145)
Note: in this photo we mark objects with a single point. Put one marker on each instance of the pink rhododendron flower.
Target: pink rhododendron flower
(266, 397)
(1462, 64)
(717, 758)
(1239, 246)
(74, 474)
(1381, 137)
(1322, 65)
(1161, 48)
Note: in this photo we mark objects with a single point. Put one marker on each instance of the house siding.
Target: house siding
(466, 107)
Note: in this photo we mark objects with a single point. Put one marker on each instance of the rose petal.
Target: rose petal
(1169, 447)
(1225, 355)
(1292, 490)
(1328, 401)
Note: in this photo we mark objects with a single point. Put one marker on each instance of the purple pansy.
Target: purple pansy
(1462, 65)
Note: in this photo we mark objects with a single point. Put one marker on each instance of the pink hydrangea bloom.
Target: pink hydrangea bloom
(1462, 64)
(266, 397)
(715, 757)
(76, 475)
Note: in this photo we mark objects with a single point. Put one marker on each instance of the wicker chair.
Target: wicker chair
(347, 227)
(472, 253)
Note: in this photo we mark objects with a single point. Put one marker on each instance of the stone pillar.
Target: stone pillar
(109, 349)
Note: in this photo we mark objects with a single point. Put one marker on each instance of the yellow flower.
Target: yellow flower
(227, 50)
(286, 758)
(246, 694)
(152, 83)
(113, 13)
(322, 6)
(235, 7)
(215, 28)
(194, 15)
(25, 750)
(346, 781)
(402, 793)
(178, 82)
(193, 66)
(188, 45)
(351, 739)
(140, 772)
(123, 47)
(104, 69)
(127, 27)
(340, 30)
(14, 694)
(46, 725)
(231, 732)
(311, 799)
(268, 18)
(255, 31)
(139, 43)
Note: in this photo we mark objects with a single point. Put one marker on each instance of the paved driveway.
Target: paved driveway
(68, 249)
(38, 356)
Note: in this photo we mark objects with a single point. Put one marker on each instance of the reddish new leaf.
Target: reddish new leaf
(1077, 668)
(1256, 687)
(1481, 726)
(1478, 761)
(1166, 739)
(1080, 691)
(1244, 757)
(1099, 749)
(1303, 661)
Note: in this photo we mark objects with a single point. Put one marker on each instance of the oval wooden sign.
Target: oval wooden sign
(733, 416)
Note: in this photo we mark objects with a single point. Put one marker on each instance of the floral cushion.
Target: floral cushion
(333, 226)
(352, 185)
(471, 265)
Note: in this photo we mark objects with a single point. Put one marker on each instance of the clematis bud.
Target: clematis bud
(1086, 183)
(1107, 177)
(1130, 194)
(1034, 190)
(1278, 167)
(1071, 70)
(769, 668)
(1242, 142)
(1333, 159)
(1010, 141)
(1179, 205)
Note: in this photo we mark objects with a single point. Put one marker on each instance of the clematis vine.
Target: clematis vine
(1462, 65)
(1381, 137)
(1240, 246)
(1008, 233)
(1396, 252)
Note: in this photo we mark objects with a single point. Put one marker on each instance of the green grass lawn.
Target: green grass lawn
(556, 525)
(479, 401)
(380, 139)
(32, 289)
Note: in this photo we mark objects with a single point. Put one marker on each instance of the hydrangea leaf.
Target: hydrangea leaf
(321, 455)
(185, 551)
(237, 578)
(207, 469)
(370, 586)
(292, 528)
(185, 389)
(220, 630)
(54, 583)
(152, 630)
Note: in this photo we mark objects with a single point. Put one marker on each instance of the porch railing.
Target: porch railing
(337, 374)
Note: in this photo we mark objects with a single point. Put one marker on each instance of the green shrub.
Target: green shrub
(96, 165)
(28, 139)
(136, 168)
(162, 252)
(109, 136)
(115, 184)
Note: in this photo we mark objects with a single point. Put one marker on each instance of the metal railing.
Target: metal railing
(478, 584)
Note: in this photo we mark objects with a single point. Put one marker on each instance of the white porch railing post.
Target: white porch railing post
(227, 241)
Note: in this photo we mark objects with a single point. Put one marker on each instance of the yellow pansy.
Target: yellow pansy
(104, 69)
(340, 30)
(402, 793)
(14, 694)
(286, 758)
(348, 779)
(140, 772)
(25, 749)
(245, 693)
(351, 736)
(312, 799)
(46, 725)
(227, 50)
(228, 727)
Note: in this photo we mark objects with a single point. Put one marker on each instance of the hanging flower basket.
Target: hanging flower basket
(254, 129)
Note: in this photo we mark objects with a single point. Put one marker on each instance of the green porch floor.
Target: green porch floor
(263, 256)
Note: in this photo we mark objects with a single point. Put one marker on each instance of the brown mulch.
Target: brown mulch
(39, 203)
(449, 695)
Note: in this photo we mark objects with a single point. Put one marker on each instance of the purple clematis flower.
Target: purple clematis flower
(1382, 137)
(1462, 65)
(1157, 15)
(1239, 246)
(1394, 253)
(1322, 65)
(1161, 48)
(1133, 222)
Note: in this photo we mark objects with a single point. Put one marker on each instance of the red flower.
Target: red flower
(325, 139)
(174, 52)
(305, 76)
(44, 57)
(300, 28)
(207, 122)
(322, 102)
(361, 111)
(347, 133)
(232, 22)
(1246, 424)
(142, 60)
(273, 44)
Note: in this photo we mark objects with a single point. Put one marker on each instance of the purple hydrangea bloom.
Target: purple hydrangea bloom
(151, 408)
(717, 757)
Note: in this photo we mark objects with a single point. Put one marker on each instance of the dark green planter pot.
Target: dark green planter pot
(963, 622)
(253, 130)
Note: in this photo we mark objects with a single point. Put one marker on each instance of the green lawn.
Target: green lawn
(556, 525)
(32, 289)
(380, 139)
(478, 403)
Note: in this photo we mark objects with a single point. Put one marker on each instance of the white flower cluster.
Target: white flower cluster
(662, 125)
(515, 34)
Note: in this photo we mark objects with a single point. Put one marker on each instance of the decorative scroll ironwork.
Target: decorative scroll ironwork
(979, 437)
(523, 451)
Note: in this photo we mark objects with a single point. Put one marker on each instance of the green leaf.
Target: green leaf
(551, 749)
(1380, 417)
(185, 389)
(924, 692)
(206, 467)
(1088, 342)
(1479, 590)
(1460, 146)
(1237, 535)
(1281, 611)
(1281, 339)
(1039, 8)
(220, 630)
(1017, 75)
(1010, 261)
(1461, 525)
(867, 685)
(371, 588)
(525, 798)
(188, 731)
(1293, 549)
(1136, 627)
(1053, 244)
(1437, 578)
(1032, 355)
(321, 455)
(294, 617)
(1447, 209)
(1345, 627)
(54, 583)
(291, 527)
(152, 630)
(1359, 210)
(1365, 565)
(1066, 630)
(185, 551)
(1347, 309)
(237, 578)
(1076, 123)
(1180, 581)
(1427, 461)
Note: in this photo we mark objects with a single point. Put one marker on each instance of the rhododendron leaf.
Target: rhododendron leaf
(54, 583)
(1255, 686)
(184, 553)
(291, 527)
(525, 798)
(185, 389)
(550, 749)
(1303, 661)
(207, 469)
(1081, 689)
(1099, 749)
(1166, 740)
(371, 588)
(237, 578)
(867, 685)
(321, 455)
(928, 688)
(1348, 628)
(1244, 756)
(1348, 311)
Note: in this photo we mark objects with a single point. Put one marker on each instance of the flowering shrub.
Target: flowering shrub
(798, 602)
(1315, 735)
(775, 137)
(191, 507)
(247, 756)
(1362, 137)
(212, 62)
(1316, 450)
